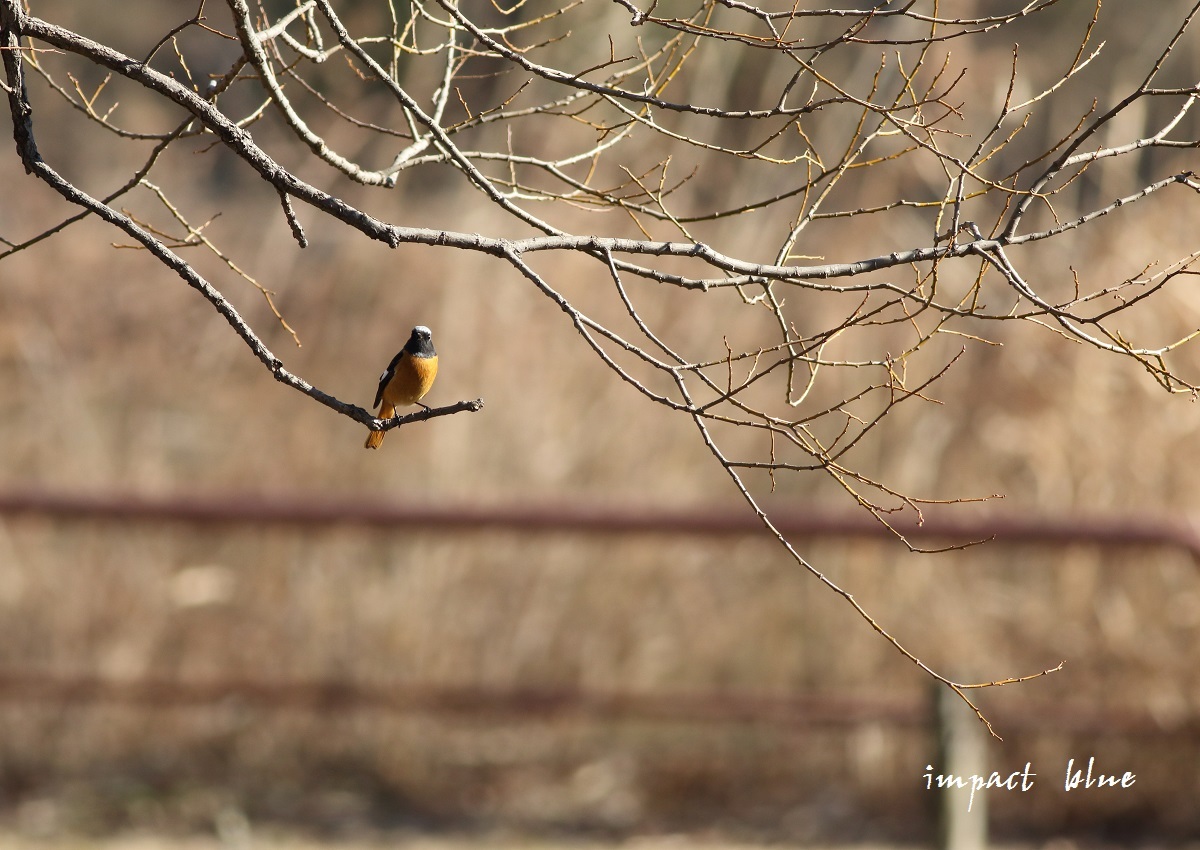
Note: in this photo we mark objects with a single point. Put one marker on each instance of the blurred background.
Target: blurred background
(226, 682)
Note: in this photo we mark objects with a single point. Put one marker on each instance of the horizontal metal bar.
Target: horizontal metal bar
(517, 703)
(604, 519)
(523, 704)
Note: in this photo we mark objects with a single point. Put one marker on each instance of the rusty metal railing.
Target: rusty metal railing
(538, 704)
(581, 518)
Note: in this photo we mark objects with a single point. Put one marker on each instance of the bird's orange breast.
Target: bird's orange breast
(413, 378)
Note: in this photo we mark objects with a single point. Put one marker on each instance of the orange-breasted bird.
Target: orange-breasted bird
(406, 379)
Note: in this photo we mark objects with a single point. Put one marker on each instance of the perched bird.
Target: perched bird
(406, 379)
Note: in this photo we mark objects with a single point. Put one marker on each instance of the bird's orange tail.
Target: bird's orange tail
(375, 438)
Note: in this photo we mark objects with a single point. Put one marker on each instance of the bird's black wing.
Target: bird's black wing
(387, 376)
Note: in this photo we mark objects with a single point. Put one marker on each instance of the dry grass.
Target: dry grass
(118, 378)
(173, 405)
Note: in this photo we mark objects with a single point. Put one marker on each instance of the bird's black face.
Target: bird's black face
(420, 343)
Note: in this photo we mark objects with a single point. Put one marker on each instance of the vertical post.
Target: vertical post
(962, 752)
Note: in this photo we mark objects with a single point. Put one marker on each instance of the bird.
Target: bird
(406, 379)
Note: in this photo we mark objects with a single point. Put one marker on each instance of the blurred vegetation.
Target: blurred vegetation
(120, 379)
